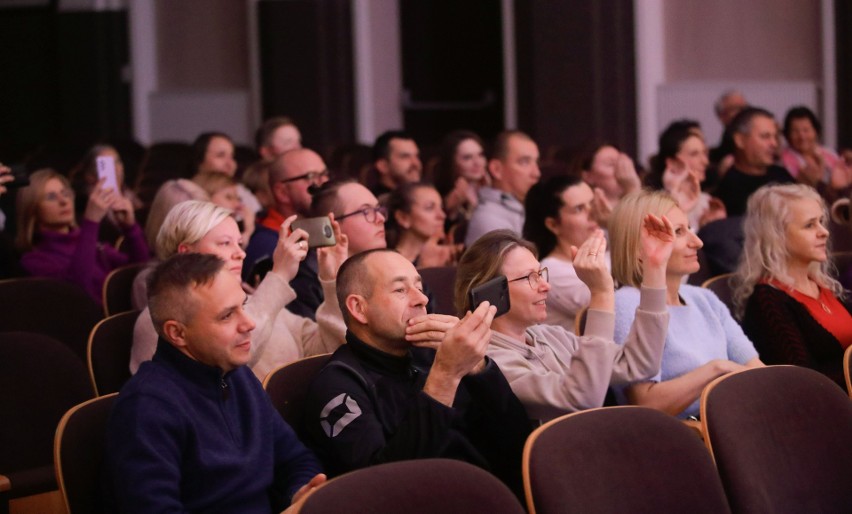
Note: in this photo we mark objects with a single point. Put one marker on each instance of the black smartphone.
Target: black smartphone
(319, 231)
(495, 292)
(22, 179)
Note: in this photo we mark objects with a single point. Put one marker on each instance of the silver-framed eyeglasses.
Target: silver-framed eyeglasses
(368, 212)
(311, 176)
(535, 278)
(55, 196)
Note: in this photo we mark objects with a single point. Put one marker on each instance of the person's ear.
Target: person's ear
(739, 140)
(279, 194)
(184, 248)
(551, 224)
(357, 307)
(403, 219)
(382, 166)
(175, 333)
(495, 167)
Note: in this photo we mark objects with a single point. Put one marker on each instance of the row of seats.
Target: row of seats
(779, 437)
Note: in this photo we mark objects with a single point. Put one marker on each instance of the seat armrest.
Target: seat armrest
(5, 484)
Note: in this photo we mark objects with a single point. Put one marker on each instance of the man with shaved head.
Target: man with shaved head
(290, 176)
(387, 395)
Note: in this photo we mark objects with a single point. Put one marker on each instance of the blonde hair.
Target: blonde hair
(27, 205)
(765, 249)
(625, 231)
(484, 261)
(187, 223)
(212, 181)
(171, 193)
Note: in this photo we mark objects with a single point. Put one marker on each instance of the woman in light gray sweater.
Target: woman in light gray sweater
(550, 369)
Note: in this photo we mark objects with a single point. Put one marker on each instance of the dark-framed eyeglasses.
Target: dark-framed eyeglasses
(534, 278)
(311, 176)
(368, 212)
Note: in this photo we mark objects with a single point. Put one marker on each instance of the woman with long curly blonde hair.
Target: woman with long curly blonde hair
(790, 304)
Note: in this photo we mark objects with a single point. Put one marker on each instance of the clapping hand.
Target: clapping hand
(590, 263)
(330, 258)
(656, 242)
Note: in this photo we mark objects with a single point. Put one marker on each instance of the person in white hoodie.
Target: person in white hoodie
(552, 370)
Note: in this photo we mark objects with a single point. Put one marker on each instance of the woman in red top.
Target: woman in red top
(791, 306)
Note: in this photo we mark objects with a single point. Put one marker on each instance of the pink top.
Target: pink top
(794, 161)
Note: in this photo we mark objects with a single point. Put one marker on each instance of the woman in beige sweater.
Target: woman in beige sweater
(280, 336)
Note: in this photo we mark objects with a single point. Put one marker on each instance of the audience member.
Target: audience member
(256, 179)
(791, 306)
(361, 218)
(703, 341)
(223, 192)
(550, 369)
(84, 177)
(193, 430)
(807, 160)
(559, 216)
(610, 173)
(54, 245)
(680, 167)
(841, 213)
(281, 336)
(755, 140)
(415, 226)
(460, 172)
(396, 159)
(277, 136)
(290, 177)
(380, 399)
(729, 104)
(171, 193)
(214, 152)
(514, 169)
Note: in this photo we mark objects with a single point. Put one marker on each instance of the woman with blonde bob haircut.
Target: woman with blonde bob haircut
(280, 336)
(703, 341)
(790, 303)
(552, 370)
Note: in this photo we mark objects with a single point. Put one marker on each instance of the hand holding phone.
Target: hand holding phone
(319, 231)
(106, 169)
(495, 292)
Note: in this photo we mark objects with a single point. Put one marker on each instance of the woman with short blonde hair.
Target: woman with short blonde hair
(791, 305)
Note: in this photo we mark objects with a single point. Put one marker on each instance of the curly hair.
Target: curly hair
(765, 249)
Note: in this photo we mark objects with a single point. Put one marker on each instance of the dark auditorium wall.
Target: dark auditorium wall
(306, 67)
(576, 72)
(842, 22)
(62, 79)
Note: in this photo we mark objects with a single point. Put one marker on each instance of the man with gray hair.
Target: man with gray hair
(193, 430)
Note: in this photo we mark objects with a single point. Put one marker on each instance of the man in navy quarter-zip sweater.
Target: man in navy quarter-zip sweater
(193, 430)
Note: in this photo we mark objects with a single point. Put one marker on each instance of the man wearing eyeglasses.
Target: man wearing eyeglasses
(290, 176)
(387, 396)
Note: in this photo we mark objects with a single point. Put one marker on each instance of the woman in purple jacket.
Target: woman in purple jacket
(55, 245)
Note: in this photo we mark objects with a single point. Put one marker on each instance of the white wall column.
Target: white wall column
(829, 74)
(650, 71)
(142, 16)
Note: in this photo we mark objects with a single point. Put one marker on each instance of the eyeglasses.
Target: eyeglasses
(54, 196)
(368, 212)
(311, 176)
(534, 278)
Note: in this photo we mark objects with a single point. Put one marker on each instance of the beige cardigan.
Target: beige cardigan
(556, 372)
(279, 337)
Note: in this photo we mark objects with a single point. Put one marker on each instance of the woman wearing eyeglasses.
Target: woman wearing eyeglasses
(550, 369)
(55, 245)
(703, 340)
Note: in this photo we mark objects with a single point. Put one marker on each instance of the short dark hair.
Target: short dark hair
(797, 113)
(352, 278)
(543, 201)
(500, 148)
(741, 124)
(381, 148)
(170, 281)
(199, 147)
(267, 128)
(324, 198)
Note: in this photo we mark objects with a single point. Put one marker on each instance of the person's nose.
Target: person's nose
(543, 286)
(695, 241)
(380, 218)
(418, 298)
(239, 253)
(247, 324)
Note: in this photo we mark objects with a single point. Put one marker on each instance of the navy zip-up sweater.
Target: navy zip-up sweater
(183, 437)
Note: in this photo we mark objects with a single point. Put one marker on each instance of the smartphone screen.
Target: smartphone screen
(495, 292)
(106, 169)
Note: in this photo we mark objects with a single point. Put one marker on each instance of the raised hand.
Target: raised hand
(684, 186)
(715, 211)
(5, 176)
(590, 263)
(656, 242)
(462, 350)
(122, 207)
(435, 253)
(601, 207)
(625, 174)
(291, 249)
(100, 201)
(330, 258)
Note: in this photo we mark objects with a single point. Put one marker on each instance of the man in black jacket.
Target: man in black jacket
(384, 397)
